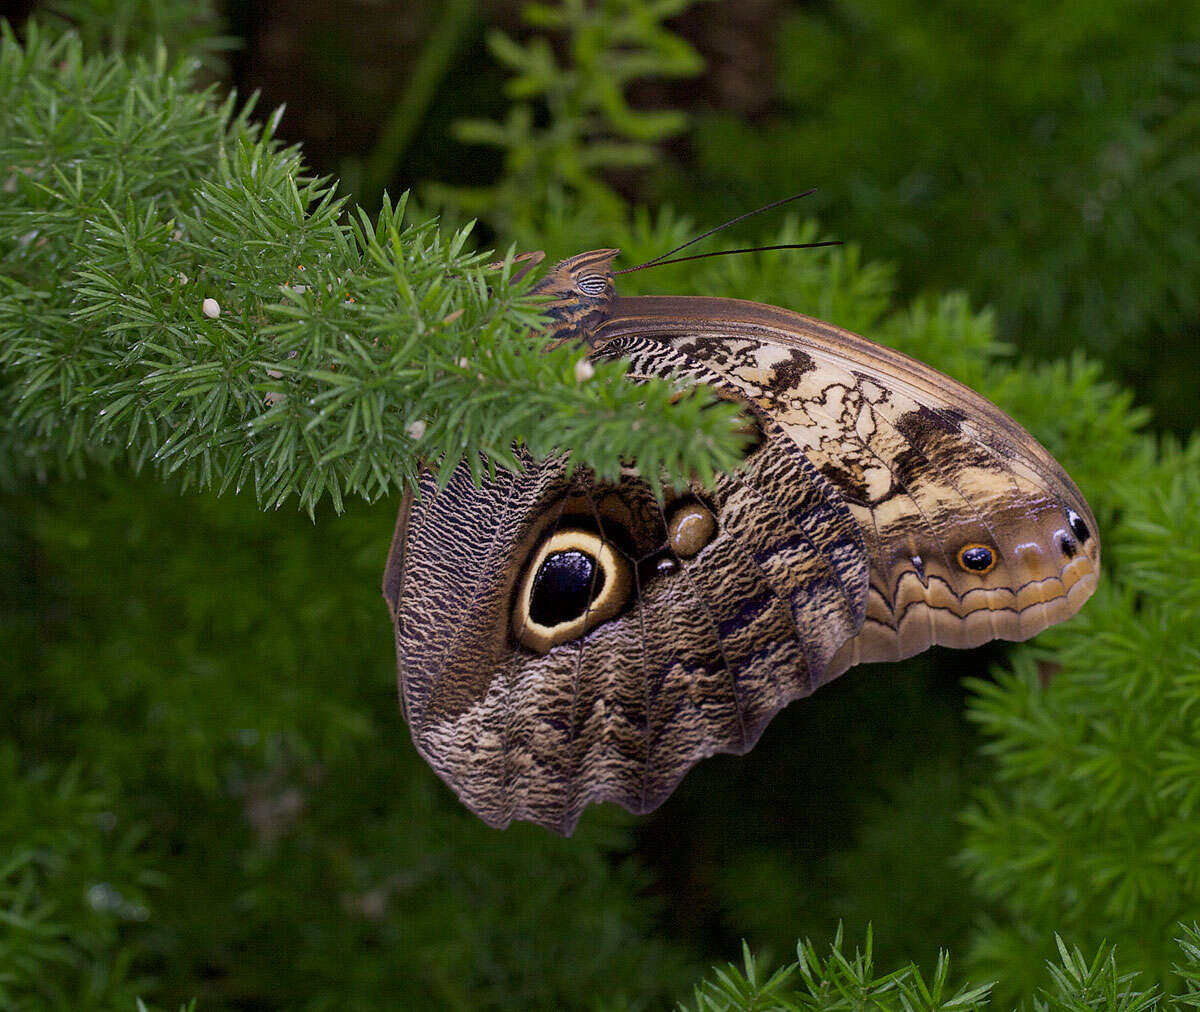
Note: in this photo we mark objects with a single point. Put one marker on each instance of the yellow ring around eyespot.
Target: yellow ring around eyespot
(977, 572)
(618, 582)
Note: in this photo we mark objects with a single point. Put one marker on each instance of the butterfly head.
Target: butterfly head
(581, 292)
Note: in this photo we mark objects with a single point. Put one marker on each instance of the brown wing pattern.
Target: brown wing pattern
(926, 466)
(563, 642)
(706, 648)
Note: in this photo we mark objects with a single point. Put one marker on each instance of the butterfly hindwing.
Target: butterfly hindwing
(713, 638)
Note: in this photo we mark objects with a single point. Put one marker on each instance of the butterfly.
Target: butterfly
(563, 641)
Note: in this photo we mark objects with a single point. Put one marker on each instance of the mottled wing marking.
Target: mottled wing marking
(509, 702)
(836, 542)
(924, 464)
(700, 662)
(806, 508)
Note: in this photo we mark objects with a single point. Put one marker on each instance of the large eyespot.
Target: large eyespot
(1078, 527)
(977, 559)
(592, 284)
(574, 581)
(689, 528)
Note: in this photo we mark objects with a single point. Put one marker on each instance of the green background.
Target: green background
(206, 786)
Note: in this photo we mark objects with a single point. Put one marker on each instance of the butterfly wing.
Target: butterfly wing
(973, 530)
(563, 642)
(698, 619)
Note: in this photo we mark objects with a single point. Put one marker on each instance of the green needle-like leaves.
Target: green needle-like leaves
(176, 289)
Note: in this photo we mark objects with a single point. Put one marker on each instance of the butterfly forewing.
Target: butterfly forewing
(927, 467)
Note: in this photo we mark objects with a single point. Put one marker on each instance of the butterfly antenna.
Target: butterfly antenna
(730, 252)
(713, 231)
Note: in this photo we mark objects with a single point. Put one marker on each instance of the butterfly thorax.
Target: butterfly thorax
(582, 294)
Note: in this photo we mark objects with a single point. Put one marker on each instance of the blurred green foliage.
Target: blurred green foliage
(244, 817)
(1092, 826)
(1041, 155)
(586, 123)
(299, 361)
(128, 27)
(206, 786)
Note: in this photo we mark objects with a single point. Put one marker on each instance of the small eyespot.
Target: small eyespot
(690, 528)
(1079, 528)
(1067, 544)
(977, 559)
(592, 284)
(919, 567)
(657, 567)
(574, 581)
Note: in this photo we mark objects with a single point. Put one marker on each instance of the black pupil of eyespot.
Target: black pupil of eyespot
(977, 557)
(1079, 527)
(565, 585)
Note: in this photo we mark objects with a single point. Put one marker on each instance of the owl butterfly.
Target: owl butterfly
(563, 641)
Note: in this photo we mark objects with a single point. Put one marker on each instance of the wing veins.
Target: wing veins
(506, 737)
(733, 687)
(436, 677)
(818, 551)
